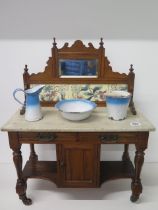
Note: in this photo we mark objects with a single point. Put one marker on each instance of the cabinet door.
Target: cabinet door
(79, 165)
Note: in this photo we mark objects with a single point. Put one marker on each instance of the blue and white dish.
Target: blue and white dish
(117, 104)
(75, 109)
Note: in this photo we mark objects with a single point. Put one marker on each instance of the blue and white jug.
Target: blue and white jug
(32, 105)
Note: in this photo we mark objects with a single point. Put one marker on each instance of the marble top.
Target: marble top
(98, 122)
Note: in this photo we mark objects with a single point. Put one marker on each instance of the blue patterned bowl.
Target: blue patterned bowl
(75, 109)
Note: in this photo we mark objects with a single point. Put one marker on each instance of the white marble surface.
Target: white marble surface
(97, 122)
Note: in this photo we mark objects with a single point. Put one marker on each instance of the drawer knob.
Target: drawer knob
(46, 137)
(108, 138)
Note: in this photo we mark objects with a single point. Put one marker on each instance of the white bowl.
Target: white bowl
(75, 109)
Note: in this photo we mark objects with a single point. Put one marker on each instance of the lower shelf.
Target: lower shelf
(108, 170)
(41, 169)
(115, 170)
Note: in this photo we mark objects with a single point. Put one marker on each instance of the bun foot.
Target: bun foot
(134, 198)
(26, 201)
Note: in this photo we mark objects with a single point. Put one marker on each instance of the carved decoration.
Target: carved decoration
(78, 46)
(78, 50)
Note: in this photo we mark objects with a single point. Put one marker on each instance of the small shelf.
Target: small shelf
(109, 170)
(115, 170)
(41, 169)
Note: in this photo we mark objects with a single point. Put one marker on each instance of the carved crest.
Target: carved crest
(77, 46)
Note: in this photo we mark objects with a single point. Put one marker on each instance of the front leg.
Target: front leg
(136, 184)
(21, 184)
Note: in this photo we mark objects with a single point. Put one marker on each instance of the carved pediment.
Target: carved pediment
(78, 46)
(78, 51)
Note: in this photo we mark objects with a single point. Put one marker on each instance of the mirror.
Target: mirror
(78, 68)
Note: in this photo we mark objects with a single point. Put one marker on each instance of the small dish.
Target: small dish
(75, 109)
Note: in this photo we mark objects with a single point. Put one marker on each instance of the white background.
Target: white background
(130, 35)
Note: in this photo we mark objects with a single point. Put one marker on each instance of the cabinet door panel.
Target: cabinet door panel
(80, 166)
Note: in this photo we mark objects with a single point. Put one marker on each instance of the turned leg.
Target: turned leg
(33, 156)
(125, 156)
(136, 184)
(21, 184)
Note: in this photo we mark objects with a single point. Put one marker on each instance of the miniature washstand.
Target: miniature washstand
(75, 72)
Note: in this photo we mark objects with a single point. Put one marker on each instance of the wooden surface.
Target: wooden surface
(43, 169)
(109, 170)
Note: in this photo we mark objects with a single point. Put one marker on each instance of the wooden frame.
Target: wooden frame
(78, 50)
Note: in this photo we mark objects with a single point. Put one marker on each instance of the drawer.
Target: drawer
(109, 138)
(46, 137)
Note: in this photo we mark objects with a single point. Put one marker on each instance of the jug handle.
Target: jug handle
(14, 93)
